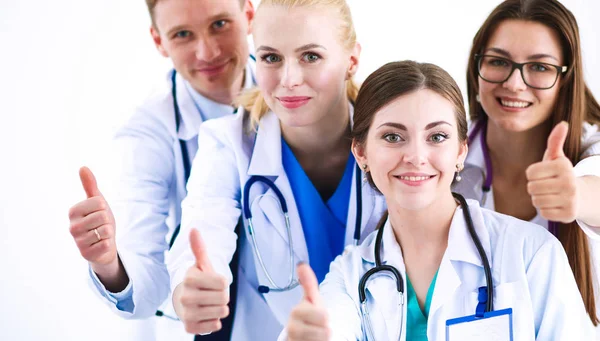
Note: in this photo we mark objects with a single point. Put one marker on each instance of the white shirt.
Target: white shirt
(530, 272)
(151, 186)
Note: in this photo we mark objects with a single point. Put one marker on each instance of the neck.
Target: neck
(226, 95)
(325, 137)
(512, 152)
(423, 230)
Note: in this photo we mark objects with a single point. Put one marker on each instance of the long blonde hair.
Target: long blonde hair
(253, 100)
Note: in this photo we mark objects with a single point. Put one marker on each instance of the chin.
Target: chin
(414, 201)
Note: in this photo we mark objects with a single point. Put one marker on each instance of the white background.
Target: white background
(72, 71)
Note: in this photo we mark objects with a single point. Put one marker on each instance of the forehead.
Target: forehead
(416, 110)
(169, 13)
(281, 27)
(525, 38)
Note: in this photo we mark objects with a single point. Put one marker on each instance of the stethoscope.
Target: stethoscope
(486, 294)
(481, 126)
(291, 283)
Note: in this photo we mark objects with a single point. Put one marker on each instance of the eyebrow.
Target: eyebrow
(211, 19)
(300, 49)
(532, 57)
(403, 127)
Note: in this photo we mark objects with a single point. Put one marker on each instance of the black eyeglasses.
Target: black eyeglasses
(535, 75)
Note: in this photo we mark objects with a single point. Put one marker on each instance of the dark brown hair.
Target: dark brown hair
(397, 79)
(575, 104)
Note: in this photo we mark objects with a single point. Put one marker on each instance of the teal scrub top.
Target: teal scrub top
(416, 319)
(323, 222)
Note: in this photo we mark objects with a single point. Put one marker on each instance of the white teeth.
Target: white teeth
(414, 178)
(514, 104)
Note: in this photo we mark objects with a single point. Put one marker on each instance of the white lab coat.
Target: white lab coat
(473, 177)
(530, 271)
(228, 155)
(150, 185)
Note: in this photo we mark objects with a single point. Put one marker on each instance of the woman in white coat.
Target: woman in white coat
(292, 153)
(525, 75)
(410, 131)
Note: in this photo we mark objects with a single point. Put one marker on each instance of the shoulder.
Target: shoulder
(155, 113)
(509, 235)
(227, 132)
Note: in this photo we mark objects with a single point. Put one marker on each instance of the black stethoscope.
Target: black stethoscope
(292, 283)
(485, 302)
(481, 126)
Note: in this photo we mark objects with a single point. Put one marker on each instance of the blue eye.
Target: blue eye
(270, 58)
(392, 138)
(183, 34)
(310, 57)
(438, 137)
(219, 24)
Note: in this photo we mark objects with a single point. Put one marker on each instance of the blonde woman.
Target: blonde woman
(284, 168)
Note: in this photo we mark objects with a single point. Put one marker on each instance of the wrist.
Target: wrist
(112, 275)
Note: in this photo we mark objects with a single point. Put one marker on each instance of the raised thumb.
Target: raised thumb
(309, 283)
(199, 251)
(556, 142)
(88, 180)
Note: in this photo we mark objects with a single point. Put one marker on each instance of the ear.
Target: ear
(359, 153)
(462, 152)
(354, 61)
(249, 12)
(158, 41)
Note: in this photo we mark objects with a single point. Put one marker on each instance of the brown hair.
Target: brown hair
(397, 79)
(152, 3)
(575, 104)
(253, 100)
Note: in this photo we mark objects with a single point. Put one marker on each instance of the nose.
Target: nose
(515, 82)
(292, 75)
(415, 153)
(207, 49)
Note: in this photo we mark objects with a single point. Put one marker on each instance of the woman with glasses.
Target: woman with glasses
(524, 78)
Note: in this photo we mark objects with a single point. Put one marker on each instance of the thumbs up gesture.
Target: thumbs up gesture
(552, 183)
(92, 225)
(201, 299)
(308, 320)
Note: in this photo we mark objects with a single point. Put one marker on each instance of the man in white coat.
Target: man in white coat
(207, 43)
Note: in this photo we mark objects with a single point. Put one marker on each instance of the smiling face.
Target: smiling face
(206, 40)
(301, 70)
(412, 149)
(513, 105)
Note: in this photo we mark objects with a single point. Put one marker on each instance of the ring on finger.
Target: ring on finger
(97, 234)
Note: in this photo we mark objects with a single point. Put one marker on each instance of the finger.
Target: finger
(548, 169)
(309, 283)
(203, 327)
(88, 180)
(558, 214)
(556, 141)
(87, 206)
(204, 297)
(309, 314)
(545, 187)
(89, 238)
(196, 279)
(299, 331)
(548, 201)
(93, 252)
(200, 252)
(196, 314)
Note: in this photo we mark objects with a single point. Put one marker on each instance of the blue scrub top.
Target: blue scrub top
(323, 223)
(416, 319)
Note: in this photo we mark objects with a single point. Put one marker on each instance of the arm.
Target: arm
(558, 309)
(587, 172)
(144, 179)
(212, 206)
